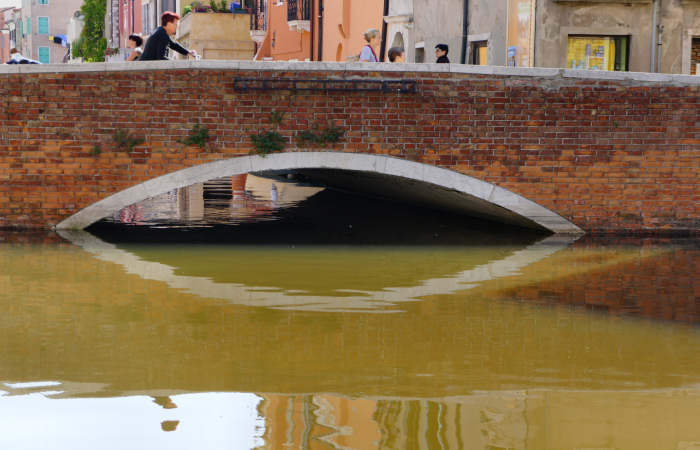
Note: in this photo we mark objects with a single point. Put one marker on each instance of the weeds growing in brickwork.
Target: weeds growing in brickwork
(276, 118)
(198, 136)
(268, 142)
(63, 134)
(330, 134)
(96, 150)
(126, 141)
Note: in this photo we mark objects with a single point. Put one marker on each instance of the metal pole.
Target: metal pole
(652, 64)
(465, 32)
(382, 50)
(659, 32)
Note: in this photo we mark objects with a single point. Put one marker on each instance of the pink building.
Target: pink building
(130, 21)
(5, 42)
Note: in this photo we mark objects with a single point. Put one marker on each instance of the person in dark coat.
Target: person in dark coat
(157, 45)
(441, 53)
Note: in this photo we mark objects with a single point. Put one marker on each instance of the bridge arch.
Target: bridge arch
(476, 196)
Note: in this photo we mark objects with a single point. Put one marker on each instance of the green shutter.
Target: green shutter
(29, 25)
(44, 55)
(43, 25)
(43, 2)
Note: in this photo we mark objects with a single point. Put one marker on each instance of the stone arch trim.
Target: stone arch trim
(444, 178)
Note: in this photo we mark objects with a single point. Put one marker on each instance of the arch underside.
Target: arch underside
(378, 175)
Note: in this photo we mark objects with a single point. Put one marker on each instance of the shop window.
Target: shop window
(598, 53)
(479, 55)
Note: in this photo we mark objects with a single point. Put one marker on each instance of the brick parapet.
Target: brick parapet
(608, 151)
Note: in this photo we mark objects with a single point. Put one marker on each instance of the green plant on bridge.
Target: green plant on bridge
(63, 134)
(126, 141)
(330, 134)
(276, 118)
(199, 135)
(268, 142)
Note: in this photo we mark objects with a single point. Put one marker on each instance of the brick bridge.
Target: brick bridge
(565, 150)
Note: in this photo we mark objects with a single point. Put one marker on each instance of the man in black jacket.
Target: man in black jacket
(157, 45)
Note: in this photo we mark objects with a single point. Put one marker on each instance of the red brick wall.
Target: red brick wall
(607, 155)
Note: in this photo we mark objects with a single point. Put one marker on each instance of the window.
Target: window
(169, 5)
(43, 25)
(479, 55)
(146, 19)
(43, 2)
(598, 53)
(695, 56)
(44, 55)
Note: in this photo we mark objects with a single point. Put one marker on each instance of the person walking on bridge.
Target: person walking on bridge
(157, 45)
(369, 53)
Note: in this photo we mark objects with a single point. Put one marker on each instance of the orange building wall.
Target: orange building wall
(344, 22)
(281, 43)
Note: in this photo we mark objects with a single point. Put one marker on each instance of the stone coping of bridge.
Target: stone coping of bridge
(287, 66)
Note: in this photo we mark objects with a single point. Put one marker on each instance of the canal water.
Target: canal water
(309, 318)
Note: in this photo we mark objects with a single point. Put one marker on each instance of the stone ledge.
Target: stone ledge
(538, 72)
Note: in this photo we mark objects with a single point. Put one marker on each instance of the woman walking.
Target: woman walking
(369, 51)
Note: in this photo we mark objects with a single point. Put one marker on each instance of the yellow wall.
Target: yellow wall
(217, 35)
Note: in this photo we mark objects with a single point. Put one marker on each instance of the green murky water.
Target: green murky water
(551, 343)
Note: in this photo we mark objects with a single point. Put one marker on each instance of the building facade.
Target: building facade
(623, 35)
(313, 30)
(41, 20)
(130, 20)
(126, 17)
(6, 39)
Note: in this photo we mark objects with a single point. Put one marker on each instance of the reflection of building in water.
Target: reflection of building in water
(491, 420)
(225, 200)
(297, 421)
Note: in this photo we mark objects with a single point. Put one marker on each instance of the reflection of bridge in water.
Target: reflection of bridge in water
(490, 264)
